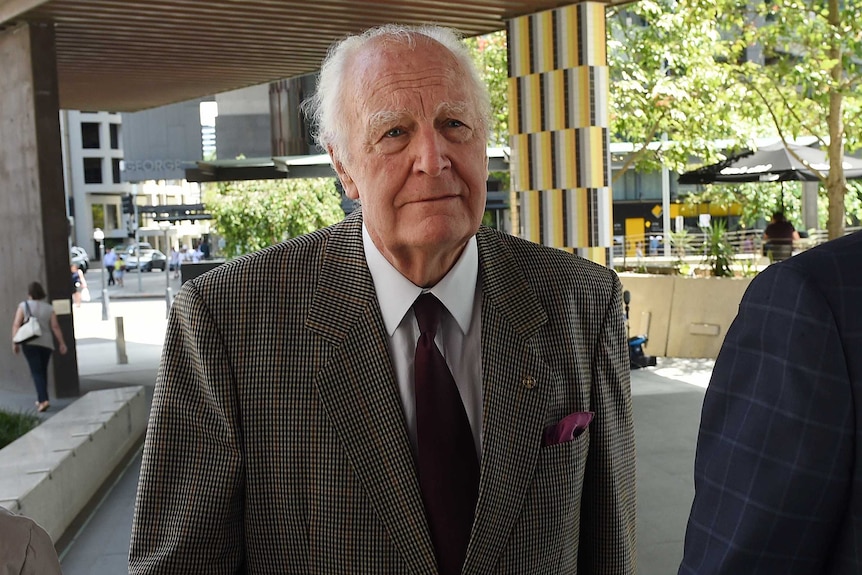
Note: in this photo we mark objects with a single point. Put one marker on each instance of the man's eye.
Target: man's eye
(454, 123)
(393, 133)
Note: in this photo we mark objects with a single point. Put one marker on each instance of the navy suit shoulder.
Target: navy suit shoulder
(829, 263)
(777, 473)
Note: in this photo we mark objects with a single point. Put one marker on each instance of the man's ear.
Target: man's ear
(350, 189)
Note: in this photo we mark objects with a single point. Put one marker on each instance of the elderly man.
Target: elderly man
(405, 392)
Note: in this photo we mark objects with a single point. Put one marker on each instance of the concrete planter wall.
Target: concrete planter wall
(52, 472)
(683, 317)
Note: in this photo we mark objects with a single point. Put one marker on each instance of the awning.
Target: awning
(310, 166)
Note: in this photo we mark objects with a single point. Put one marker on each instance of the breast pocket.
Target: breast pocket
(560, 475)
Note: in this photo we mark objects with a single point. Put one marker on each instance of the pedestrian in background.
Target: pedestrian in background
(79, 284)
(108, 264)
(406, 391)
(119, 270)
(778, 472)
(176, 261)
(38, 351)
(778, 238)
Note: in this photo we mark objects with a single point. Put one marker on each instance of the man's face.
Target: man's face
(415, 152)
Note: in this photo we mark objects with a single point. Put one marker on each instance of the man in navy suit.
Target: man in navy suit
(778, 472)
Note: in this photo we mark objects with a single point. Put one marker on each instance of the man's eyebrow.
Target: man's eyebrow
(387, 118)
(451, 109)
(383, 119)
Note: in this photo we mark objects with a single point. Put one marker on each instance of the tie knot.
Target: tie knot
(427, 310)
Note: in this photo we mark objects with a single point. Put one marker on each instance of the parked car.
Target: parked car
(149, 260)
(80, 258)
(129, 251)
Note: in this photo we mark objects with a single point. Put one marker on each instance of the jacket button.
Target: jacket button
(528, 382)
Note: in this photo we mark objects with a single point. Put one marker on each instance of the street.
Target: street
(135, 284)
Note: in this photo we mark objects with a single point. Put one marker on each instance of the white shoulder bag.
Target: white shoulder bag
(30, 329)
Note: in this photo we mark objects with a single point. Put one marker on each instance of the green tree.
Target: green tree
(669, 79)
(714, 75)
(252, 215)
(489, 53)
(809, 76)
(759, 200)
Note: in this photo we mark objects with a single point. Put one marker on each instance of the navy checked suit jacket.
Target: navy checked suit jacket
(778, 471)
(277, 441)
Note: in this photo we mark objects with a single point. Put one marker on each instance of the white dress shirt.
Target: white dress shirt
(458, 338)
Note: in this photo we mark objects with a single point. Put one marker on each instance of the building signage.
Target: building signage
(158, 165)
(160, 143)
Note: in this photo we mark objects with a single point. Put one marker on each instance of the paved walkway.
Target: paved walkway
(667, 401)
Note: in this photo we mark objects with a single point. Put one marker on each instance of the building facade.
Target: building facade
(92, 169)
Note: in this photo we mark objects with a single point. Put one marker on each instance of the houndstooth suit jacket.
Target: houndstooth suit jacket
(277, 442)
(778, 471)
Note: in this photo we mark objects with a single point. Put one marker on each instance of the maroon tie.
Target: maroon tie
(448, 467)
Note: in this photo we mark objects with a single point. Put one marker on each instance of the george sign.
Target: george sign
(157, 165)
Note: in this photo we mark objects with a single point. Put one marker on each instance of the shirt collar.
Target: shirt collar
(396, 294)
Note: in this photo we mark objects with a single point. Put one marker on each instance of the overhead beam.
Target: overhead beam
(12, 9)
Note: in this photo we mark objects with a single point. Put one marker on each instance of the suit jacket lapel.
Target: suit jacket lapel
(358, 390)
(515, 379)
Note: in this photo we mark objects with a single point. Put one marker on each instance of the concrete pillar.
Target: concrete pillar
(289, 137)
(558, 121)
(34, 230)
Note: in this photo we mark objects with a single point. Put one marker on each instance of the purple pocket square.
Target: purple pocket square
(567, 428)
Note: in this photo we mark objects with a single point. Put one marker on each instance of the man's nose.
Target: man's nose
(431, 153)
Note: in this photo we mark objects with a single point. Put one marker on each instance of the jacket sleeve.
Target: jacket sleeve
(607, 530)
(41, 557)
(775, 447)
(188, 513)
(25, 548)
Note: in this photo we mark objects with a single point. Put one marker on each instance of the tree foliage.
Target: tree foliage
(669, 78)
(712, 76)
(252, 215)
(809, 77)
(489, 53)
(715, 75)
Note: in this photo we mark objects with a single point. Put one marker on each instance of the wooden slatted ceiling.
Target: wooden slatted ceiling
(123, 55)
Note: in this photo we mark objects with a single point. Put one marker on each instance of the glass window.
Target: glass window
(115, 168)
(115, 136)
(92, 170)
(89, 135)
(112, 218)
(98, 211)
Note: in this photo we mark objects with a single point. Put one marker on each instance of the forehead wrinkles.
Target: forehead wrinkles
(392, 96)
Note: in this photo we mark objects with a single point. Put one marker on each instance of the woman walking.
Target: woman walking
(37, 351)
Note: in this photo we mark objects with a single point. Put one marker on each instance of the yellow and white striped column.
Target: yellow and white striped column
(558, 122)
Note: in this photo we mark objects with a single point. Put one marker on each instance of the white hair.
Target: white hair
(325, 108)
